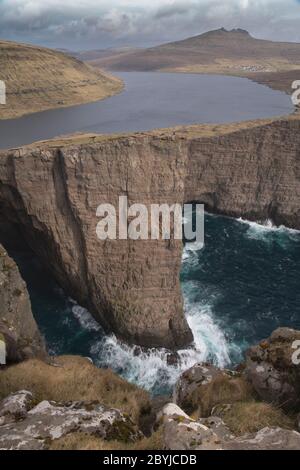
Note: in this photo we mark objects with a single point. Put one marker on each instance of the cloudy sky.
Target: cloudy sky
(85, 24)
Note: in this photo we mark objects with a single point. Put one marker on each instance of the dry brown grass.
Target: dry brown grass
(80, 441)
(250, 417)
(75, 379)
(38, 79)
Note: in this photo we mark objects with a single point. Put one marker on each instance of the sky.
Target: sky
(99, 24)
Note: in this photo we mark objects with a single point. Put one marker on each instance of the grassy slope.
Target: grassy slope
(235, 52)
(74, 378)
(38, 78)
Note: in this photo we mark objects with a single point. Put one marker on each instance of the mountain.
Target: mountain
(103, 53)
(37, 78)
(233, 52)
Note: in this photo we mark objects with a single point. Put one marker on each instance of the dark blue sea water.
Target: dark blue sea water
(238, 288)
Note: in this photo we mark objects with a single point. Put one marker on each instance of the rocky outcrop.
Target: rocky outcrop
(266, 439)
(132, 287)
(183, 433)
(272, 367)
(189, 383)
(18, 329)
(204, 386)
(180, 432)
(15, 406)
(37, 427)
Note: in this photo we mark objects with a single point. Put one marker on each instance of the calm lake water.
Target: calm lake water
(153, 100)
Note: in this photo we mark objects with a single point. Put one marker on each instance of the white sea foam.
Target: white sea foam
(150, 369)
(85, 318)
(261, 230)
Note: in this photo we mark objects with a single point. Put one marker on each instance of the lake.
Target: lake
(153, 100)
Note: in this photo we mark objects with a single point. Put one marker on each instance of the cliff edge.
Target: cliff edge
(51, 191)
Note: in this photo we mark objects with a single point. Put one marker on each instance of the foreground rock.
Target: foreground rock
(18, 329)
(36, 428)
(266, 439)
(273, 370)
(15, 406)
(180, 432)
(204, 386)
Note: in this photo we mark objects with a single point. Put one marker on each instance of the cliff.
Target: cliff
(51, 191)
(17, 325)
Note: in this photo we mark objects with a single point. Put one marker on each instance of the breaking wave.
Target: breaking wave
(263, 230)
(237, 289)
(151, 369)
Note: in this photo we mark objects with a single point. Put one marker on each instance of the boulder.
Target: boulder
(217, 425)
(265, 439)
(272, 369)
(15, 406)
(49, 421)
(204, 386)
(180, 432)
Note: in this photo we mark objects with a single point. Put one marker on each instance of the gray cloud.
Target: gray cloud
(109, 23)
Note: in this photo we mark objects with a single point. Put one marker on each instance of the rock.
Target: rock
(51, 420)
(180, 432)
(217, 425)
(173, 359)
(203, 386)
(265, 439)
(271, 371)
(18, 329)
(15, 406)
(221, 409)
(189, 382)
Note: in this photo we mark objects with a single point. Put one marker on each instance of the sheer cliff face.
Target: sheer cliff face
(52, 191)
(252, 173)
(17, 325)
(131, 287)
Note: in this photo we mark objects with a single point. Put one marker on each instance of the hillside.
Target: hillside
(233, 52)
(38, 79)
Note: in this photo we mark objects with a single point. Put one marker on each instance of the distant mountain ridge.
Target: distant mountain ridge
(234, 52)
